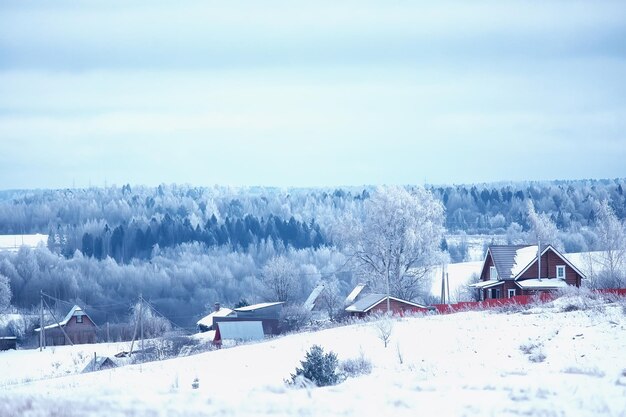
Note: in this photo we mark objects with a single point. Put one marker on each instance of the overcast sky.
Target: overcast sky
(325, 93)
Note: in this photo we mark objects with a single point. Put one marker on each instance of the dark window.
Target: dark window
(79, 319)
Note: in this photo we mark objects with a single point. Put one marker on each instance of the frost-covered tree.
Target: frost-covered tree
(611, 235)
(542, 228)
(5, 293)
(280, 278)
(396, 243)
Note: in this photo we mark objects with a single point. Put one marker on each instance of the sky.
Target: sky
(317, 93)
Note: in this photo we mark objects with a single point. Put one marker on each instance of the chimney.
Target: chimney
(216, 307)
(538, 260)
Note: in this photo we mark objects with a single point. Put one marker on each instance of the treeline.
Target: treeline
(139, 238)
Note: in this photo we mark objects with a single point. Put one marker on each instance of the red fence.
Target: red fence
(517, 300)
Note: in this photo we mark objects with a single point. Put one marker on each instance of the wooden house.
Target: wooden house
(377, 303)
(238, 331)
(77, 325)
(207, 322)
(510, 270)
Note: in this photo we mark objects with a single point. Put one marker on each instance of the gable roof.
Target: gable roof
(259, 306)
(354, 294)
(309, 304)
(208, 319)
(560, 255)
(509, 259)
(369, 301)
(75, 311)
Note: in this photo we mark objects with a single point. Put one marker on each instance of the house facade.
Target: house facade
(77, 325)
(266, 313)
(510, 270)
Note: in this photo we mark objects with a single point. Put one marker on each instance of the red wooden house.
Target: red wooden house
(77, 325)
(510, 270)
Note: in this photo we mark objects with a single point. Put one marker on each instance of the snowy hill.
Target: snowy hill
(540, 362)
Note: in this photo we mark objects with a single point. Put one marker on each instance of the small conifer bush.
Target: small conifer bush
(318, 367)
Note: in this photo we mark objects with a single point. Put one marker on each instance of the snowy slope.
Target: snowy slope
(465, 364)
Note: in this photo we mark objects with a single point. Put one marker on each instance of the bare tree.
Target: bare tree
(5, 293)
(280, 278)
(384, 328)
(396, 244)
(331, 299)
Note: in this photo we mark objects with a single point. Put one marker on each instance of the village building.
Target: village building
(78, 326)
(377, 303)
(510, 270)
(266, 313)
(238, 331)
(206, 323)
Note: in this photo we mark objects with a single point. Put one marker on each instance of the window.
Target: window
(560, 271)
(493, 273)
(495, 293)
(511, 292)
(79, 318)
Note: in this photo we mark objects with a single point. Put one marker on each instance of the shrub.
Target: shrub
(318, 367)
(355, 367)
(293, 318)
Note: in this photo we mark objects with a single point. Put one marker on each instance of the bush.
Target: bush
(293, 318)
(355, 367)
(318, 367)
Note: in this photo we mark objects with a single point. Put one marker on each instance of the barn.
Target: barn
(77, 325)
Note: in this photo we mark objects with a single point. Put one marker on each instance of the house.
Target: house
(313, 298)
(78, 326)
(205, 324)
(238, 331)
(377, 303)
(510, 270)
(99, 363)
(266, 313)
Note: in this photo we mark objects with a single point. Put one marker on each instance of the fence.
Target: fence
(517, 300)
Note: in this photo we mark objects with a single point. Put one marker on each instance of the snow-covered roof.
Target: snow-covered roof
(486, 284)
(541, 284)
(240, 330)
(208, 320)
(370, 300)
(310, 301)
(258, 306)
(75, 311)
(354, 294)
(523, 257)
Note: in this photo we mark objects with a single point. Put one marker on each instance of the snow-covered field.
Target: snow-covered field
(541, 362)
(12, 243)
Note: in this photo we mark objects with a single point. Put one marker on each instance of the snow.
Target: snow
(523, 258)
(531, 284)
(12, 243)
(459, 275)
(258, 306)
(487, 284)
(208, 320)
(354, 294)
(464, 364)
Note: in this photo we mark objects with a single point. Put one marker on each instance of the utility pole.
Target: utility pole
(141, 324)
(538, 260)
(41, 335)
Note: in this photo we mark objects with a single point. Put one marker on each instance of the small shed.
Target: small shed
(8, 342)
(100, 363)
(238, 331)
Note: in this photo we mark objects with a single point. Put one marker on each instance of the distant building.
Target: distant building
(206, 323)
(266, 313)
(77, 325)
(510, 270)
(8, 342)
(12, 243)
(238, 331)
(377, 303)
(99, 363)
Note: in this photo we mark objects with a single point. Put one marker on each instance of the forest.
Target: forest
(186, 247)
